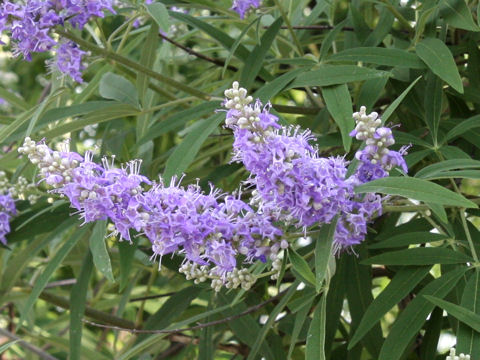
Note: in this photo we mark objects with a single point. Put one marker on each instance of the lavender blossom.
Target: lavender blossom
(212, 230)
(7, 210)
(293, 184)
(30, 24)
(376, 160)
(243, 6)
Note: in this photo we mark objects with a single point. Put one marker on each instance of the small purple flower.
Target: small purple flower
(7, 210)
(243, 6)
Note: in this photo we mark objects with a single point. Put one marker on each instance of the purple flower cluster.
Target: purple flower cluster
(243, 6)
(30, 25)
(293, 184)
(376, 160)
(211, 230)
(7, 210)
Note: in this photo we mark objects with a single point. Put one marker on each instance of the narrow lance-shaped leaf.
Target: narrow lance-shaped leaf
(468, 340)
(101, 259)
(440, 60)
(53, 264)
(118, 88)
(78, 298)
(419, 256)
(402, 283)
(410, 321)
(301, 267)
(417, 189)
(323, 252)
(339, 105)
(315, 349)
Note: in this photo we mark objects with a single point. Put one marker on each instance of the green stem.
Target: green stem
(467, 233)
(107, 54)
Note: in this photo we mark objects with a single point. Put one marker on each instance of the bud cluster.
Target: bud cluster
(376, 158)
(21, 189)
(452, 356)
(55, 166)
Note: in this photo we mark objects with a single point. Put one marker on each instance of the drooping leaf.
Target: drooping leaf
(98, 248)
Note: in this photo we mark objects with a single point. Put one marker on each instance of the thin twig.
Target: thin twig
(196, 327)
(190, 51)
(36, 350)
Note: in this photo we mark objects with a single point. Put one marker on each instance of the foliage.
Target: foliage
(154, 77)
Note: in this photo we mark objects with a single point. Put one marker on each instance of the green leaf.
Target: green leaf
(5, 347)
(359, 296)
(397, 289)
(269, 90)
(116, 87)
(393, 106)
(408, 239)
(315, 349)
(326, 75)
(463, 127)
(457, 14)
(439, 59)
(159, 13)
(417, 189)
(185, 153)
(114, 111)
(439, 211)
(370, 92)
(300, 318)
(78, 298)
(126, 253)
(323, 252)
(98, 248)
(13, 99)
(241, 52)
(419, 256)
(301, 267)
(468, 340)
(178, 120)
(379, 56)
(327, 42)
(271, 319)
(147, 59)
(437, 168)
(254, 62)
(172, 309)
(464, 315)
(52, 265)
(433, 329)
(339, 105)
(433, 104)
(410, 320)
